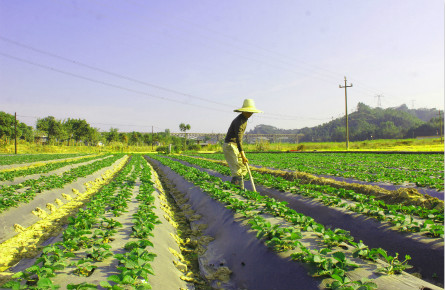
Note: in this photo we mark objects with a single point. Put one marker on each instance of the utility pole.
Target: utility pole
(441, 132)
(152, 138)
(15, 132)
(346, 112)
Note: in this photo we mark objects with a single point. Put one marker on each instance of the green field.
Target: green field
(121, 221)
(372, 145)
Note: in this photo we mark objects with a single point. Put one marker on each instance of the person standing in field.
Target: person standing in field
(233, 144)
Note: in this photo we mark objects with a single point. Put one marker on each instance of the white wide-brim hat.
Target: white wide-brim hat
(248, 106)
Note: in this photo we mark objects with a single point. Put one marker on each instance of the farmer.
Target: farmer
(233, 144)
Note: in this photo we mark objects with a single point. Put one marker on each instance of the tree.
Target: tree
(69, 129)
(93, 136)
(389, 131)
(25, 132)
(112, 136)
(431, 128)
(183, 127)
(339, 134)
(362, 131)
(77, 129)
(135, 138)
(51, 127)
(6, 125)
(147, 138)
(7, 128)
(123, 138)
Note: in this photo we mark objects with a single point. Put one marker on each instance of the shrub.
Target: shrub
(262, 145)
(194, 147)
(162, 149)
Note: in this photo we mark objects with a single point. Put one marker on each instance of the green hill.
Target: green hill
(368, 123)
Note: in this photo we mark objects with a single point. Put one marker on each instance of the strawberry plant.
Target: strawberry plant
(81, 286)
(362, 251)
(100, 252)
(395, 266)
(84, 267)
(344, 283)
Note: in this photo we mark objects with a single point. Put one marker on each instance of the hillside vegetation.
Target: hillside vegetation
(367, 124)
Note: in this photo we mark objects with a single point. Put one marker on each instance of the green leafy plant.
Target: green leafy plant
(344, 283)
(84, 267)
(395, 265)
(362, 251)
(81, 286)
(100, 252)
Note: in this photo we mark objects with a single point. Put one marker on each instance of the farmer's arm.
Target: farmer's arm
(239, 140)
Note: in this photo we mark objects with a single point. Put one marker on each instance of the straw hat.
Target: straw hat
(248, 106)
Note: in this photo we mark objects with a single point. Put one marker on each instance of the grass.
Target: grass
(32, 148)
(371, 145)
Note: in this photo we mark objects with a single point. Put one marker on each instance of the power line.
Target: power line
(313, 68)
(101, 82)
(331, 75)
(280, 116)
(105, 71)
(108, 124)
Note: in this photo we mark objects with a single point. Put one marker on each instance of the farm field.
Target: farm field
(134, 221)
(420, 170)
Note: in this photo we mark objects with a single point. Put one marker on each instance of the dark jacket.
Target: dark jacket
(236, 131)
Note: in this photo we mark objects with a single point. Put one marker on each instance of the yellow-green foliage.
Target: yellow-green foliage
(370, 145)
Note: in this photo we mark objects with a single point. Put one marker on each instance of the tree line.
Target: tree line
(79, 131)
(365, 123)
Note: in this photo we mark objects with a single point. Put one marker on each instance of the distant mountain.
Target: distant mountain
(267, 129)
(368, 123)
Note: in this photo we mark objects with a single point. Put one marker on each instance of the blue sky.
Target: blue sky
(136, 64)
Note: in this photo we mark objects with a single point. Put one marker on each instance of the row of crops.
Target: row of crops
(105, 222)
(28, 158)
(404, 218)
(423, 170)
(14, 193)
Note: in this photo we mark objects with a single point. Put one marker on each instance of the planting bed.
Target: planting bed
(287, 239)
(176, 222)
(29, 158)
